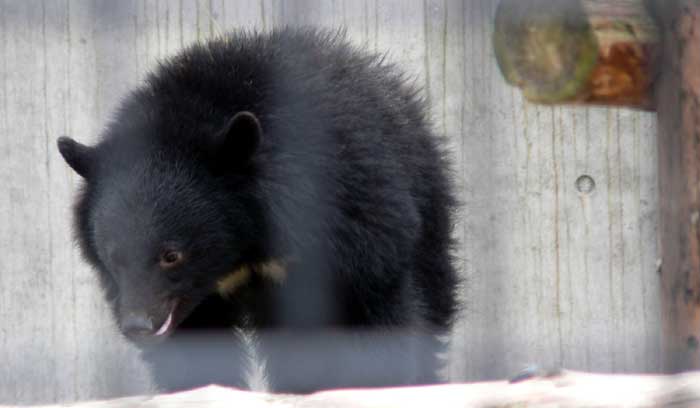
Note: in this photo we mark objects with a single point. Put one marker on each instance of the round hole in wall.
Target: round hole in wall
(585, 184)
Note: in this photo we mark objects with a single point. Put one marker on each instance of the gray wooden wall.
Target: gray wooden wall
(553, 275)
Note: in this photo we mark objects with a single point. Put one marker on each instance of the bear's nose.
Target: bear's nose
(137, 325)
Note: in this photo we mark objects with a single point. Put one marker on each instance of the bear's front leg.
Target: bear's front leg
(304, 361)
(195, 360)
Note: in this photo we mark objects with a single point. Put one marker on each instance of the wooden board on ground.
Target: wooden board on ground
(568, 389)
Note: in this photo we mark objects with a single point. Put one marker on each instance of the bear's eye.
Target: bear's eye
(170, 258)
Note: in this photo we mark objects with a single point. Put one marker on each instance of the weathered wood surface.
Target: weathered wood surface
(569, 389)
(679, 176)
(553, 275)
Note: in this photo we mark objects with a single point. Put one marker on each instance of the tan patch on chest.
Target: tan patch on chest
(273, 270)
(227, 285)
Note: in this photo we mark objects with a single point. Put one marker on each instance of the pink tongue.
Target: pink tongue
(164, 328)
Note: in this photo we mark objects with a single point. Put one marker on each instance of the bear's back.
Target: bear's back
(347, 156)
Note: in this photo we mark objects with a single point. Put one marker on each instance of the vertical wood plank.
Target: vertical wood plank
(25, 191)
(679, 161)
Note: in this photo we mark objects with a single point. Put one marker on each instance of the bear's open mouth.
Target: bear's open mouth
(171, 321)
(166, 325)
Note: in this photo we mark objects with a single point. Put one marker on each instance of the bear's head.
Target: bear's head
(165, 218)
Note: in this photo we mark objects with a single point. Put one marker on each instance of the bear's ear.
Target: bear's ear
(78, 156)
(240, 137)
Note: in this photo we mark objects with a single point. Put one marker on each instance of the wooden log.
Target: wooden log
(578, 51)
(679, 182)
(568, 389)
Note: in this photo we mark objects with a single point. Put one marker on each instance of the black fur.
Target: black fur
(332, 168)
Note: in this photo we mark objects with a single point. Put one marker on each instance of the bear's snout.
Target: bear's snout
(135, 326)
(143, 328)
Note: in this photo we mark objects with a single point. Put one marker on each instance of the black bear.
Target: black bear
(285, 183)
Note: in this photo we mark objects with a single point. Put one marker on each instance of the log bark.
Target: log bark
(568, 389)
(679, 181)
(578, 51)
